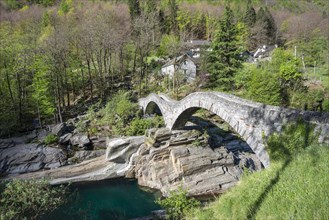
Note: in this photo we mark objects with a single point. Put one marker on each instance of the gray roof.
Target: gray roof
(198, 43)
(178, 60)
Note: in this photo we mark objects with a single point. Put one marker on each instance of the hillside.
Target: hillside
(296, 189)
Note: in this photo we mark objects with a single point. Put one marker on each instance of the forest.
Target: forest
(60, 56)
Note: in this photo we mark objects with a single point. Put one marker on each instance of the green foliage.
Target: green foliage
(265, 17)
(65, 6)
(41, 88)
(292, 139)
(178, 204)
(12, 4)
(223, 60)
(169, 46)
(51, 138)
(259, 85)
(29, 199)
(139, 126)
(250, 15)
(116, 114)
(134, 8)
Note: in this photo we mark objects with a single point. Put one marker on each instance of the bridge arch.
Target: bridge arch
(252, 121)
(152, 107)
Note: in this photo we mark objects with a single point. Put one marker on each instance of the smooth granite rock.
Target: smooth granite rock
(23, 158)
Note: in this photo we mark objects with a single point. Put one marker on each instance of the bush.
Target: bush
(293, 138)
(51, 138)
(29, 199)
(178, 205)
(139, 126)
(119, 108)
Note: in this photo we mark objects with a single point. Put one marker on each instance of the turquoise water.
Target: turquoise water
(108, 199)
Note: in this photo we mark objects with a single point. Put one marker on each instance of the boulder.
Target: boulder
(82, 155)
(82, 141)
(99, 142)
(58, 129)
(23, 158)
(42, 135)
(119, 150)
(65, 139)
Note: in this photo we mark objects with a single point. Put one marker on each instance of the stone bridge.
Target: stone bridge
(251, 120)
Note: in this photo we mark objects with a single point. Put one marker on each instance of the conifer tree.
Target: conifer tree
(173, 14)
(134, 8)
(265, 18)
(223, 60)
(250, 15)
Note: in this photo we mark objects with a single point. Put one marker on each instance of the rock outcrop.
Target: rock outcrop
(17, 157)
(171, 159)
(164, 160)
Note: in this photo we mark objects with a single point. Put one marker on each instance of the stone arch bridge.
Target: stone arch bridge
(252, 120)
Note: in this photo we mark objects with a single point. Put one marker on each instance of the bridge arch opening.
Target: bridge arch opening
(152, 109)
(220, 133)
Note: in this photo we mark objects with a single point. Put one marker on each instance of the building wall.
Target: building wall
(168, 70)
(187, 67)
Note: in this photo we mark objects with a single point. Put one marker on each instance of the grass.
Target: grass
(293, 189)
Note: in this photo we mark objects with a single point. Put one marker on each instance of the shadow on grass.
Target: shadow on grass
(288, 158)
(255, 207)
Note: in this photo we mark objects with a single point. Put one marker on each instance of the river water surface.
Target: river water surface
(107, 199)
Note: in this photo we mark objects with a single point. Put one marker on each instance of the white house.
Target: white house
(182, 64)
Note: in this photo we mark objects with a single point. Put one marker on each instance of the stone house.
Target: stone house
(184, 64)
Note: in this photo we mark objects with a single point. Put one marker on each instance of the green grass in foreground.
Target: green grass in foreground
(296, 189)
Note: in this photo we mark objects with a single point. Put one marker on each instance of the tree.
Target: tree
(30, 199)
(134, 8)
(250, 15)
(265, 18)
(173, 8)
(223, 60)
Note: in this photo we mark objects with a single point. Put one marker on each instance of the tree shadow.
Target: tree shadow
(288, 158)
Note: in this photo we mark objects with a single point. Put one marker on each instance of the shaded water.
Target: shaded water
(107, 199)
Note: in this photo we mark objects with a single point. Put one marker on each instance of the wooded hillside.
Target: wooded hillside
(57, 54)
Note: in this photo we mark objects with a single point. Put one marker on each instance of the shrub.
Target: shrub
(29, 199)
(293, 138)
(178, 204)
(119, 108)
(139, 126)
(51, 138)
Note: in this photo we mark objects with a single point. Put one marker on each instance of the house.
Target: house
(195, 47)
(184, 64)
(264, 52)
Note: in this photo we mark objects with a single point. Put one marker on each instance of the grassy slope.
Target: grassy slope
(297, 189)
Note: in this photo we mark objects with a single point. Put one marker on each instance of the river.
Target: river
(107, 199)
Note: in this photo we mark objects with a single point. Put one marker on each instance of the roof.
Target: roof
(179, 59)
(197, 43)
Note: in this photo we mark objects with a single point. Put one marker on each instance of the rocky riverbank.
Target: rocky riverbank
(163, 159)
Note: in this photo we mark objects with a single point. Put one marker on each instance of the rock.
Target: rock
(58, 129)
(65, 139)
(42, 135)
(82, 141)
(80, 156)
(24, 158)
(99, 142)
(186, 159)
(119, 150)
